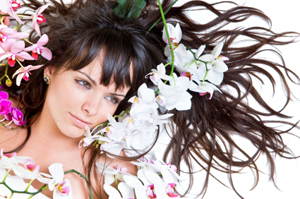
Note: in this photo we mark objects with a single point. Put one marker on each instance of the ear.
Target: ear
(49, 71)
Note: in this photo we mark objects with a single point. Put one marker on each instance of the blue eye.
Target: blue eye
(84, 84)
(114, 100)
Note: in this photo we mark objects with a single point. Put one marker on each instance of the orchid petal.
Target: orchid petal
(46, 53)
(126, 191)
(24, 55)
(3, 95)
(5, 6)
(111, 192)
(43, 40)
(20, 35)
(133, 181)
(19, 79)
(215, 78)
(18, 47)
(4, 55)
(219, 66)
(57, 172)
(217, 50)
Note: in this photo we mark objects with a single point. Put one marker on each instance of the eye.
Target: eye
(84, 84)
(112, 99)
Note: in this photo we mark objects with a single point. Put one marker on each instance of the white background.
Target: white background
(285, 16)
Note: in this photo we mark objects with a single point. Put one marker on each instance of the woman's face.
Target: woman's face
(76, 98)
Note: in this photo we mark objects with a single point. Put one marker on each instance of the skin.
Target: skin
(54, 136)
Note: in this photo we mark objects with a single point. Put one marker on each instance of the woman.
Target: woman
(81, 88)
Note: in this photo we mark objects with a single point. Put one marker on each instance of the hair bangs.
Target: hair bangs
(117, 64)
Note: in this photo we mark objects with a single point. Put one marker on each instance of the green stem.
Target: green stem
(168, 36)
(28, 41)
(121, 115)
(19, 63)
(25, 192)
(116, 179)
(6, 175)
(29, 185)
(158, 20)
(5, 73)
(12, 193)
(81, 175)
(205, 73)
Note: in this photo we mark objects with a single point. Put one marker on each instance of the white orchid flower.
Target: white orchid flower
(216, 65)
(157, 75)
(61, 188)
(203, 88)
(31, 171)
(126, 191)
(10, 160)
(144, 105)
(111, 174)
(23, 73)
(88, 139)
(175, 34)
(175, 95)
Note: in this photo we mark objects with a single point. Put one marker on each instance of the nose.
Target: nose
(92, 105)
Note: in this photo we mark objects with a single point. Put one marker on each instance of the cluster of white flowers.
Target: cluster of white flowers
(25, 168)
(154, 179)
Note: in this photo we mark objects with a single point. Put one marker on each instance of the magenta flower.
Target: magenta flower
(3, 95)
(38, 18)
(17, 116)
(5, 106)
(10, 7)
(38, 49)
(16, 52)
(23, 73)
(8, 33)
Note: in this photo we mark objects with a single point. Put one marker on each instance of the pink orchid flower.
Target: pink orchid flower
(5, 106)
(23, 73)
(10, 7)
(38, 18)
(38, 49)
(16, 116)
(8, 33)
(16, 52)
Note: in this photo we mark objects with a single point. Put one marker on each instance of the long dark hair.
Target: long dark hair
(202, 135)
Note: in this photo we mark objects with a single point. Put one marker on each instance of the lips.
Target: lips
(78, 122)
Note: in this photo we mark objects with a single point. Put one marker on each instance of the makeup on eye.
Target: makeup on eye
(113, 100)
(84, 83)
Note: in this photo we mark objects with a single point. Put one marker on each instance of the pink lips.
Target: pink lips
(78, 122)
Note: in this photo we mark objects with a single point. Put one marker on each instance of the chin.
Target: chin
(73, 132)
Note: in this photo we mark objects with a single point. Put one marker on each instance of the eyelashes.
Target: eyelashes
(88, 86)
(84, 84)
(112, 99)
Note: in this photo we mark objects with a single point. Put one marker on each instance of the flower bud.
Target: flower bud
(8, 82)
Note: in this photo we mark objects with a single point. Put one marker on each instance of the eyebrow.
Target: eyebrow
(94, 82)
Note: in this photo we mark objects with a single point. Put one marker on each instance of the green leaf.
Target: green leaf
(130, 8)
